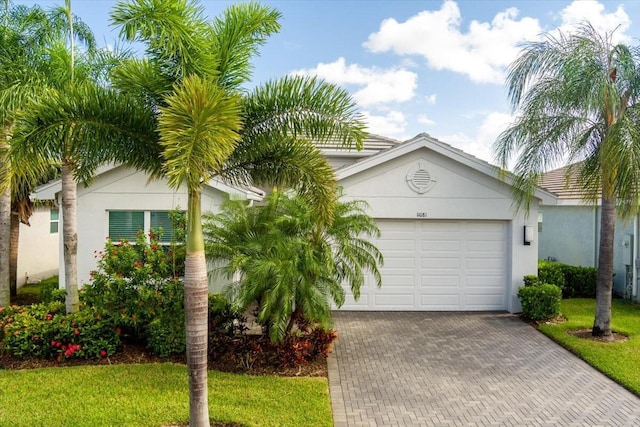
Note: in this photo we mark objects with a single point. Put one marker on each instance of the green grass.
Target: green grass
(620, 361)
(156, 395)
(36, 288)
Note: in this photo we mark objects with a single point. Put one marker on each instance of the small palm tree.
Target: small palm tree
(287, 263)
(577, 98)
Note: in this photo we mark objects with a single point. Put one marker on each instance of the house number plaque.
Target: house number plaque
(421, 214)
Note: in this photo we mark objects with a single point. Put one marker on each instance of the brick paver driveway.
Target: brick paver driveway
(459, 369)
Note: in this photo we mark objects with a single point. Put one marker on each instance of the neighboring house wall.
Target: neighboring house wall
(38, 248)
(570, 234)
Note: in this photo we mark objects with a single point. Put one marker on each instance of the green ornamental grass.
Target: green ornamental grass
(618, 360)
(155, 395)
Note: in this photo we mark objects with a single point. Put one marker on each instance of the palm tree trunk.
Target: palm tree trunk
(70, 236)
(195, 307)
(13, 253)
(5, 231)
(602, 322)
(5, 225)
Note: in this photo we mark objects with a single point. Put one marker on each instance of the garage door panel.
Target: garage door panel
(475, 246)
(485, 302)
(440, 245)
(398, 281)
(440, 302)
(396, 245)
(440, 280)
(395, 301)
(439, 265)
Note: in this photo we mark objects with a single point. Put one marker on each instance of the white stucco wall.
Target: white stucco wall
(459, 193)
(123, 189)
(38, 248)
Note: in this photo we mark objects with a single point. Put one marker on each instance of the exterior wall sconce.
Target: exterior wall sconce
(528, 235)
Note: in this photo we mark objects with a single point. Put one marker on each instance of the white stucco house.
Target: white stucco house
(450, 236)
(120, 201)
(38, 246)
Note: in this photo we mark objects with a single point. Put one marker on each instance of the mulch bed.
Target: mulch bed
(132, 353)
(586, 334)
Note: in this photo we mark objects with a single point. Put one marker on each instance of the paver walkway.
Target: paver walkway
(464, 369)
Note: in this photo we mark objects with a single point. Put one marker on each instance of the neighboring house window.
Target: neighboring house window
(126, 224)
(55, 220)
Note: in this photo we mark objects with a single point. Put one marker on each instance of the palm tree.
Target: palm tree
(19, 80)
(289, 265)
(576, 98)
(70, 81)
(210, 128)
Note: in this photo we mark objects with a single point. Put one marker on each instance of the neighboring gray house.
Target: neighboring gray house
(569, 232)
(450, 237)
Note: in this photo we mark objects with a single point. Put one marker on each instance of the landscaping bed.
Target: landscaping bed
(137, 353)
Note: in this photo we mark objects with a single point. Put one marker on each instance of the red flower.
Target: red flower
(49, 316)
(76, 332)
(118, 330)
(103, 353)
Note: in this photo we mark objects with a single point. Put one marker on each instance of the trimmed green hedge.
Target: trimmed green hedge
(540, 302)
(575, 281)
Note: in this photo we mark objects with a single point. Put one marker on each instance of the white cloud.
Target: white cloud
(481, 144)
(423, 119)
(379, 86)
(482, 52)
(593, 12)
(392, 124)
(431, 99)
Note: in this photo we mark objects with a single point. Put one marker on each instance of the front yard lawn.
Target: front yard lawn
(156, 395)
(620, 360)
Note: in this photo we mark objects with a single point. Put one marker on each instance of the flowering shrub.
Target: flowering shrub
(45, 331)
(134, 285)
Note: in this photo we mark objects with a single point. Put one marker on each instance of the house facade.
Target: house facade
(450, 236)
(120, 201)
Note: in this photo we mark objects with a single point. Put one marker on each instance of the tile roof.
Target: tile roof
(563, 183)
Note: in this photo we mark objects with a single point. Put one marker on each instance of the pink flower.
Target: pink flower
(76, 332)
(103, 353)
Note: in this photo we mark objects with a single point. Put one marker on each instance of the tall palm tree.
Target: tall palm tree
(577, 101)
(19, 80)
(210, 128)
(70, 79)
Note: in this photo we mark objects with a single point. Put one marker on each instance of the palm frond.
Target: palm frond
(304, 107)
(198, 130)
(288, 163)
(173, 31)
(236, 37)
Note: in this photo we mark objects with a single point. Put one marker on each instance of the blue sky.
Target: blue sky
(413, 66)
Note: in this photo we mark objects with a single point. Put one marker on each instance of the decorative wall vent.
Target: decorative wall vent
(420, 179)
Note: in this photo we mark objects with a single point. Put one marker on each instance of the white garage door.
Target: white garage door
(439, 266)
